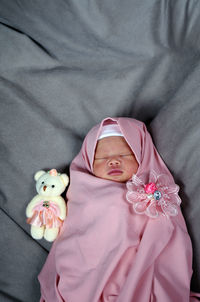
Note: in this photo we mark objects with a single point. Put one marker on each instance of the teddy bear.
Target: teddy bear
(47, 210)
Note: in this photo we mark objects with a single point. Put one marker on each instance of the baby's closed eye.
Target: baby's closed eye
(123, 155)
(117, 155)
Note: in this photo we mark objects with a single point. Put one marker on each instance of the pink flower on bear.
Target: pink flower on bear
(152, 194)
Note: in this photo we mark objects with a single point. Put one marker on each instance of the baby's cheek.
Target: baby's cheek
(95, 168)
(133, 166)
(98, 168)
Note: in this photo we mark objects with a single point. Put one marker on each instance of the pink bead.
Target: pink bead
(150, 188)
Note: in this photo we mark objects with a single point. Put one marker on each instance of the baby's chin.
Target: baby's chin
(117, 177)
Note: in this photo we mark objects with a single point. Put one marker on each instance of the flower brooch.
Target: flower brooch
(153, 195)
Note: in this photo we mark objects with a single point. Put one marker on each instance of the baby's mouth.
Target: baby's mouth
(115, 172)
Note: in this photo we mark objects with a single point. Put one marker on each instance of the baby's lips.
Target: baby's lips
(115, 172)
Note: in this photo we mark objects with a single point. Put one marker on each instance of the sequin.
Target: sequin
(157, 195)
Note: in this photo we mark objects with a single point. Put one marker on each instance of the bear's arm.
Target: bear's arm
(32, 203)
(62, 206)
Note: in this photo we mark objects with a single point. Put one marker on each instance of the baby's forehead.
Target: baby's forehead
(110, 143)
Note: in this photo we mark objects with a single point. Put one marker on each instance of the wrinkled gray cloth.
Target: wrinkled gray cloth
(66, 65)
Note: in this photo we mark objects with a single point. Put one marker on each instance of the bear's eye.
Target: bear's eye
(53, 186)
(42, 182)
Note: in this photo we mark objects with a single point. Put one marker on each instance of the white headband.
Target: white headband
(110, 130)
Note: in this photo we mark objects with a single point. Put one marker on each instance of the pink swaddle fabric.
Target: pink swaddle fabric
(108, 253)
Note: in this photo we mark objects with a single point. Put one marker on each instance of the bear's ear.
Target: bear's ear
(65, 179)
(38, 174)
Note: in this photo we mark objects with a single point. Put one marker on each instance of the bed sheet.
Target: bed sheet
(66, 65)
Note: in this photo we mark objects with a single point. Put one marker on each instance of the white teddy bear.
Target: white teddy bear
(47, 210)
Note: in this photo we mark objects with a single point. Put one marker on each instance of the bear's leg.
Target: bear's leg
(51, 234)
(37, 232)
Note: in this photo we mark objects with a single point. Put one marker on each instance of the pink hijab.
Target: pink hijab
(106, 251)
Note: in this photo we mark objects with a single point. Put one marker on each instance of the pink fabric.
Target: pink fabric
(108, 253)
(46, 216)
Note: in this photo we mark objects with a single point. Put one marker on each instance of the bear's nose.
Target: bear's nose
(44, 188)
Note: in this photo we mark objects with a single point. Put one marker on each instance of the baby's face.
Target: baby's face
(114, 159)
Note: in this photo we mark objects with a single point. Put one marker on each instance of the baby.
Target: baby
(124, 239)
(114, 159)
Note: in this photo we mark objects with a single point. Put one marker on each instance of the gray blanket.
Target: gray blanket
(64, 66)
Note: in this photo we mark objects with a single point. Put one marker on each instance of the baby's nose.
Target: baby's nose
(114, 162)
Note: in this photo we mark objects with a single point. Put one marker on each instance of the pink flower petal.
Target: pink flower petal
(135, 197)
(153, 176)
(130, 186)
(173, 189)
(137, 180)
(140, 207)
(163, 180)
(169, 209)
(152, 211)
(174, 198)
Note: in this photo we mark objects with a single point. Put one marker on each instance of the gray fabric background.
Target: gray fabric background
(64, 66)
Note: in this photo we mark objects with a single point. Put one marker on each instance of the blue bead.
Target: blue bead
(157, 195)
